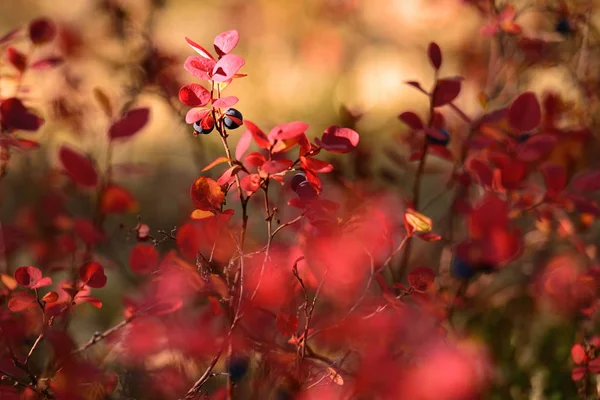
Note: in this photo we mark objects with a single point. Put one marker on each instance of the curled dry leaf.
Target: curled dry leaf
(206, 194)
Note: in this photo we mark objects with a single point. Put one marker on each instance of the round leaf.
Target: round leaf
(525, 112)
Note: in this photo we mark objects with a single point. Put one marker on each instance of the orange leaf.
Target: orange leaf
(206, 194)
(116, 199)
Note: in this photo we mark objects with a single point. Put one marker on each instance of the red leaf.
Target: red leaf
(578, 373)
(428, 236)
(227, 101)
(446, 90)
(130, 124)
(46, 63)
(225, 42)
(14, 115)
(243, 144)
(578, 354)
(338, 140)
(555, 178)
(217, 161)
(276, 166)
(188, 241)
(436, 134)
(227, 67)
(9, 36)
(116, 199)
(255, 159)
(194, 95)
(20, 301)
(228, 175)
(411, 119)
(315, 165)
(536, 147)
(482, 172)
(288, 131)
(525, 112)
(92, 274)
(587, 182)
(199, 49)
(16, 58)
(416, 85)
(94, 301)
(259, 136)
(31, 277)
(199, 67)
(435, 55)
(421, 278)
(196, 114)
(250, 183)
(78, 166)
(143, 259)
(87, 232)
(42, 31)
(286, 323)
(206, 194)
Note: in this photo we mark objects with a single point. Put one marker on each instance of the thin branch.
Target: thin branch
(99, 337)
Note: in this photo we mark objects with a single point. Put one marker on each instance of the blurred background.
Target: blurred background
(305, 60)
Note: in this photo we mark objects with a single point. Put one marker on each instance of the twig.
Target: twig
(99, 337)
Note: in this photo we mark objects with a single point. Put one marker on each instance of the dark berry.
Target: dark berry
(298, 179)
(306, 191)
(233, 119)
(563, 26)
(524, 137)
(461, 269)
(202, 131)
(238, 366)
(440, 142)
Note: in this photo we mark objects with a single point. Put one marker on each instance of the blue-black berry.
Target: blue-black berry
(200, 130)
(233, 118)
(306, 191)
(297, 180)
(461, 269)
(237, 368)
(440, 142)
(523, 137)
(563, 26)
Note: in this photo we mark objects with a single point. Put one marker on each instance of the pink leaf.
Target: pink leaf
(225, 42)
(228, 175)
(194, 95)
(276, 166)
(525, 112)
(446, 90)
(338, 140)
(250, 183)
(130, 124)
(199, 67)
(79, 166)
(199, 49)
(243, 144)
(227, 67)
(196, 114)
(288, 131)
(225, 102)
(47, 63)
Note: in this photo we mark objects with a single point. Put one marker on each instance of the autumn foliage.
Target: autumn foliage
(292, 278)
